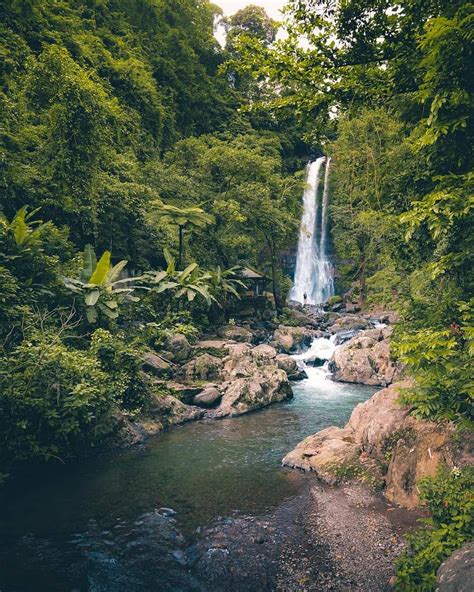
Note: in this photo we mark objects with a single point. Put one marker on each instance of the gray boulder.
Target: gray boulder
(164, 411)
(291, 338)
(178, 348)
(156, 364)
(267, 385)
(365, 359)
(456, 574)
(289, 365)
(208, 397)
(264, 352)
(349, 323)
(204, 367)
(235, 333)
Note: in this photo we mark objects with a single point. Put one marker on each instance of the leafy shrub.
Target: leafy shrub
(36, 261)
(334, 300)
(55, 401)
(439, 359)
(100, 287)
(384, 287)
(450, 499)
(12, 306)
(155, 334)
(122, 363)
(286, 318)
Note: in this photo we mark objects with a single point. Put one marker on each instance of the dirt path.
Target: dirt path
(341, 539)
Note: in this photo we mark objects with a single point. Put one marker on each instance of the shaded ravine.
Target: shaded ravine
(101, 525)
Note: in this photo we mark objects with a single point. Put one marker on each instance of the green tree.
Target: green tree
(185, 218)
(372, 167)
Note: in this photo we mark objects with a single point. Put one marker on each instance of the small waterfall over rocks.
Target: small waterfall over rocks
(314, 273)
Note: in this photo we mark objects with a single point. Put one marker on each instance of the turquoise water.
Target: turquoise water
(89, 526)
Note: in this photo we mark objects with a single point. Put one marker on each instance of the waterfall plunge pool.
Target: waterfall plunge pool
(92, 526)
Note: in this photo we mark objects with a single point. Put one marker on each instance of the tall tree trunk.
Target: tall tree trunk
(275, 287)
(180, 256)
(363, 283)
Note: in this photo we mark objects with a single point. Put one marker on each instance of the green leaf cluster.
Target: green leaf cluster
(450, 500)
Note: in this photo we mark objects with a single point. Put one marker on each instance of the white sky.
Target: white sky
(271, 6)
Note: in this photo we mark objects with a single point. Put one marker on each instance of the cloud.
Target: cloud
(271, 6)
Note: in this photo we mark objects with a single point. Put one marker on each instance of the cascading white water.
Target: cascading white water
(318, 376)
(313, 274)
(325, 275)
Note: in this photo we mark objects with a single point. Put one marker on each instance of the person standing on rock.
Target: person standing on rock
(305, 298)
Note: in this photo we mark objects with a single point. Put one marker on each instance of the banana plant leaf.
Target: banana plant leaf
(127, 280)
(89, 263)
(170, 261)
(165, 286)
(112, 304)
(101, 270)
(116, 270)
(91, 314)
(159, 276)
(112, 314)
(19, 226)
(92, 297)
(188, 271)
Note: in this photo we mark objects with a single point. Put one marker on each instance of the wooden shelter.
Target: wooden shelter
(256, 282)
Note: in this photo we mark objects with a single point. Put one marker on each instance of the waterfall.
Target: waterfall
(313, 274)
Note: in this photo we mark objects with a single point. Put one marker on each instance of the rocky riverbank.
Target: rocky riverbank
(384, 446)
(245, 368)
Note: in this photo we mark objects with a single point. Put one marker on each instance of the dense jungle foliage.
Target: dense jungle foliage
(131, 187)
(141, 164)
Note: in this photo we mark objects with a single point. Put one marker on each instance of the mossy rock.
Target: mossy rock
(370, 474)
(334, 300)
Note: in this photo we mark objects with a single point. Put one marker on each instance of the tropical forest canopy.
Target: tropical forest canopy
(142, 164)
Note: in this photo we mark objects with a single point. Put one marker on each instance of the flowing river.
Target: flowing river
(104, 525)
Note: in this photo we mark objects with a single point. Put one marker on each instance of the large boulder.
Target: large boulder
(204, 367)
(215, 347)
(456, 573)
(349, 323)
(209, 397)
(324, 452)
(382, 443)
(235, 333)
(289, 365)
(155, 364)
(266, 385)
(164, 411)
(366, 359)
(375, 421)
(335, 453)
(183, 392)
(178, 348)
(240, 362)
(421, 447)
(291, 338)
(264, 352)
